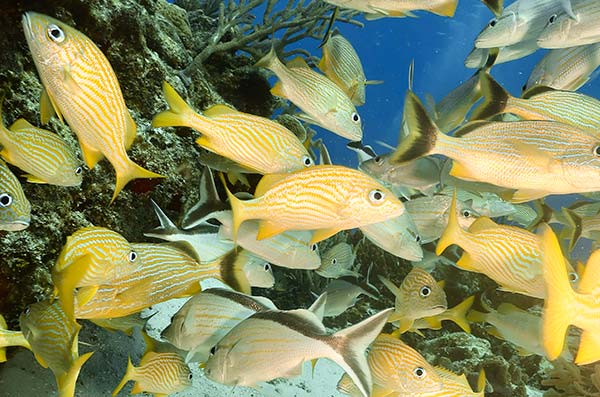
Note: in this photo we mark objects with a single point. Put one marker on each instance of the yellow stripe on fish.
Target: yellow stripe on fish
(252, 141)
(324, 198)
(322, 101)
(81, 86)
(15, 209)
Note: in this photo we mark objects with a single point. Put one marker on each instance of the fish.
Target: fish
(158, 373)
(430, 215)
(45, 156)
(418, 296)
(10, 338)
(566, 107)
(478, 57)
(509, 155)
(275, 343)
(521, 21)
(580, 226)
(343, 294)
(483, 203)
(338, 261)
(126, 324)
(321, 100)
(53, 340)
(398, 236)
(456, 314)
(495, 6)
(453, 385)
(375, 9)
(207, 317)
(571, 29)
(238, 136)
(81, 87)
(235, 172)
(15, 209)
(524, 215)
(564, 306)
(341, 64)
(291, 249)
(431, 260)
(258, 271)
(323, 198)
(565, 68)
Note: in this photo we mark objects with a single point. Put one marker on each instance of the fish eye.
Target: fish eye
(190, 376)
(27, 310)
(78, 171)
(425, 291)
(573, 277)
(552, 18)
(376, 196)
(267, 267)
(313, 247)
(378, 160)
(466, 213)
(418, 238)
(5, 200)
(419, 372)
(492, 23)
(213, 350)
(597, 151)
(334, 261)
(132, 256)
(355, 117)
(307, 161)
(55, 33)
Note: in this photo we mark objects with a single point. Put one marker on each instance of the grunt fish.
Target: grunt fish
(391, 8)
(453, 385)
(418, 296)
(571, 29)
(15, 209)
(338, 261)
(342, 295)
(274, 344)
(456, 314)
(323, 198)
(126, 324)
(478, 57)
(398, 236)
(81, 87)
(322, 101)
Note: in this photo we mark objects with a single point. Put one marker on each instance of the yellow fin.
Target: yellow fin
(48, 108)
(179, 112)
(277, 90)
(21, 124)
(446, 9)
(130, 172)
(453, 232)
(404, 324)
(129, 375)
(297, 62)
(40, 360)
(459, 171)
(34, 179)
(266, 182)
(482, 223)
(130, 130)
(137, 388)
(525, 195)
(205, 142)
(475, 316)
(589, 348)
(322, 234)
(533, 154)
(91, 156)
(85, 294)
(379, 391)
(219, 110)
(590, 274)
(442, 284)
(67, 381)
(466, 262)
(458, 314)
(268, 228)
(238, 210)
(68, 279)
(70, 83)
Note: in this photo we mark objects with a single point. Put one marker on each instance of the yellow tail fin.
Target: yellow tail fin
(67, 381)
(446, 9)
(179, 111)
(453, 231)
(458, 314)
(133, 171)
(129, 374)
(237, 210)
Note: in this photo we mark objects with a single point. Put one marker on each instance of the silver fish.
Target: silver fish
(398, 236)
(337, 262)
(570, 29)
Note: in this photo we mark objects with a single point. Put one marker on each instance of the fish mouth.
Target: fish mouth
(15, 226)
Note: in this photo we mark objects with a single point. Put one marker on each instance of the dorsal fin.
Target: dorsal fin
(267, 182)
(219, 110)
(482, 223)
(536, 90)
(21, 124)
(297, 62)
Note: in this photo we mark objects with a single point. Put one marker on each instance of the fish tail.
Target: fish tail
(67, 381)
(269, 60)
(350, 345)
(179, 112)
(573, 227)
(232, 271)
(423, 132)
(496, 100)
(458, 314)
(129, 374)
(67, 280)
(3, 327)
(560, 305)
(446, 9)
(237, 210)
(131, 172)
(453, 231)
(481, 383)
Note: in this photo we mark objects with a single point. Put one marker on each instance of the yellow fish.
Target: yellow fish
(509, 155)
(564, 306)
(393, 8)
(15, 209)
(338, 261)
(254, 142)
(457, 314)
(81, 87)
(322, 101)
(45, 156)
(159, 373)
(10, 338)
(418, 296)
(453, 385)
(324, 198)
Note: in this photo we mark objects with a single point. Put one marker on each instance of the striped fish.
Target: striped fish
(341, 64)
(482, 202)
(567, 107)
(565, 68)
(166, 273)
(125, 324)
(274, 344)
(453, 385)
(291, 249)
(535, 157)
(430, 215)
(10, 338)
(45, 156)
(257, 143)
(338, 261)
(418, 296)
(81, 87)
(324, 198)
(342, 295)
(393, 8)
(15, 209)
(207, 317)
(398, 236)
(159, 373)
(323, 102)
(457, 314)
(478, 57)
(258, 271)
(564, 306)
(53, 340)
(579, 27)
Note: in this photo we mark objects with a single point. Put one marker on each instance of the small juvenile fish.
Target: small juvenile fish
(337, 262)
(342, 295)
(509, 155)
(457, 314)
(322, 101)
(10, 338)
(478, 57)
(254, 142)
(341, 64)
(453, 386)
(524, 215)
(207, 317)
(564, 306)
(392, 8)
(274, 344)
(258, 271)
(576, 28)
(398, 236)
(430, 215)
(53, 340)
(15, 209)
(159, 373)
(565, 68)
(323, 198)
(483, 203)
(418, 296)
(81, 87)
(45, 156)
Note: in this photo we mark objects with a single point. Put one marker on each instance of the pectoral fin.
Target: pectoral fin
(48, 108)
